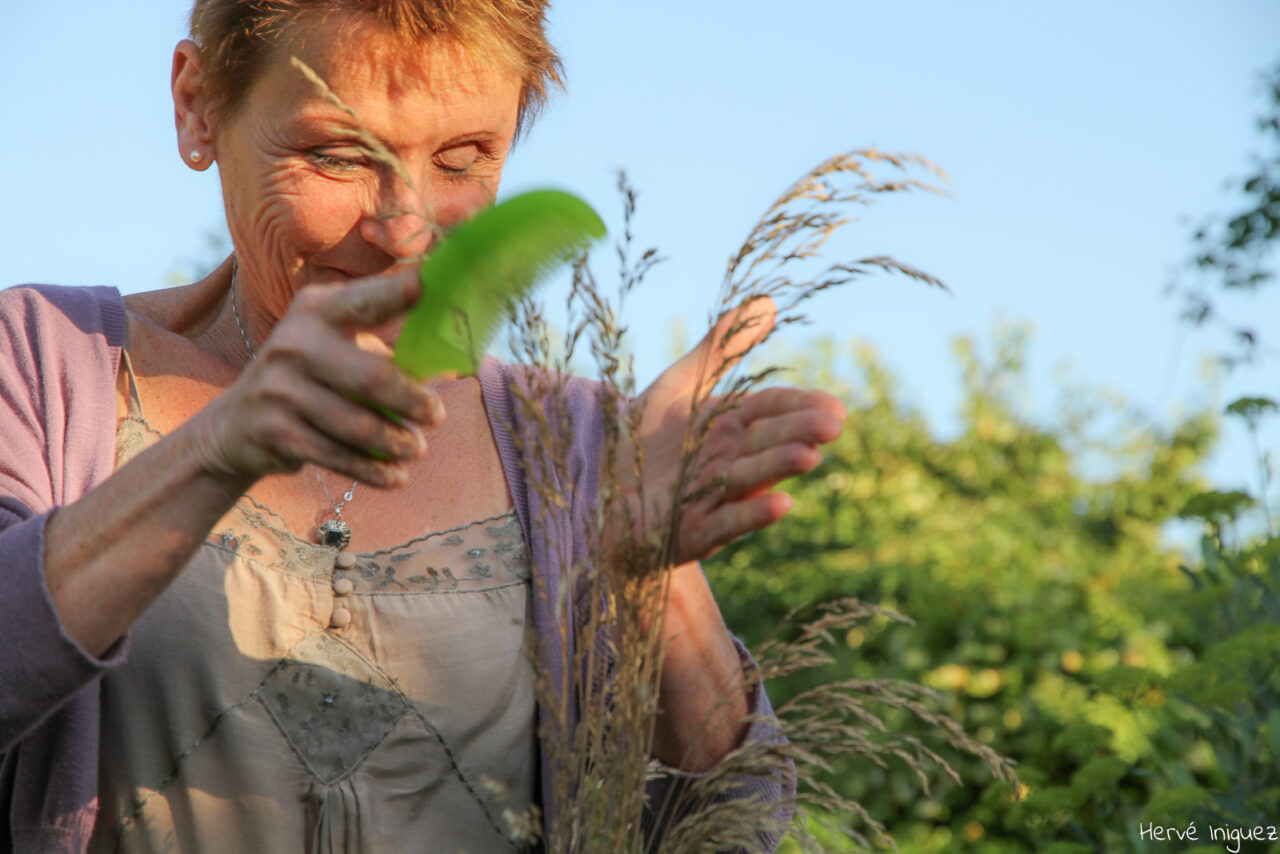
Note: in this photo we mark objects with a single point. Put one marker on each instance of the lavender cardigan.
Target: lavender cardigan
(59, 357)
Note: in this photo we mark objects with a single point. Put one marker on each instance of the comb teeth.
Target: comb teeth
(471, 278)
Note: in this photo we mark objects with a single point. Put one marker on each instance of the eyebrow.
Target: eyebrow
(340, 123)
(486, 135)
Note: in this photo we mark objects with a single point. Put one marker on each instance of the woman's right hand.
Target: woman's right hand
(296, 401)
(110, 553)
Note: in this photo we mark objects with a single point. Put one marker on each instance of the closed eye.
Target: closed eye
(459, 160)
(342, 160)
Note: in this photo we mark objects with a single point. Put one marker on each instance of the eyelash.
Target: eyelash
(480, 155)
(337, 162)
(452, 174)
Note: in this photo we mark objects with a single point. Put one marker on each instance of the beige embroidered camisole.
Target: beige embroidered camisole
(273, 701)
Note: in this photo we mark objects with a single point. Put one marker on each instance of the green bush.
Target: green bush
(1048, 610)
(1137, 687)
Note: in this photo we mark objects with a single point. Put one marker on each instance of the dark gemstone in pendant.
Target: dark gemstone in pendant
(335, 534)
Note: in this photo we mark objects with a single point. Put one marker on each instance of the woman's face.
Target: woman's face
(306, 203)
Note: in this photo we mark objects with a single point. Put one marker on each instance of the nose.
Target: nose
(399, 226)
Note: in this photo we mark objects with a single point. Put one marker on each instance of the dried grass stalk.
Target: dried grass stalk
(615, 597)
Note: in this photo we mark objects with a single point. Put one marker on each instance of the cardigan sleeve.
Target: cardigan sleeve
(59, 350)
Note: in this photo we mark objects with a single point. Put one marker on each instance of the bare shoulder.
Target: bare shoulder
(175, 376)
(186, 310)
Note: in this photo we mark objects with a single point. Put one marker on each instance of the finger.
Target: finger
(360, 428)
(734, 334)
(750, 475)
(371, 343)
(731, 521)
(780, 399)
(296, 441)
(807, 426)
(282, 395)
(349, 462)
(365, 303)
(307, 349)
(375, 380)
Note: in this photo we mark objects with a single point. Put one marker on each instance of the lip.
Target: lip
(335, 276)
(343, 276)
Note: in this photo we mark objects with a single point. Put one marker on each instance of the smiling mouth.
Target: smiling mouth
(337, 275)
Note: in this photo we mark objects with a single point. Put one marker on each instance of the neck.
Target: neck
(191, 310)
(221, 331)
(199, 312)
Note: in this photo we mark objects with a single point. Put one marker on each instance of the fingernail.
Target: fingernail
(425, 413)
(419, 441)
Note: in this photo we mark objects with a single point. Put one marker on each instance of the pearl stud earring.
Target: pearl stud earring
(195, 156)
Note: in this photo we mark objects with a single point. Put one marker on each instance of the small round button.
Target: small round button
(344, 560)
(341, 618)
(343, 586)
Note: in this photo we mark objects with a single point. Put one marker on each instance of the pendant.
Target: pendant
(335, 534)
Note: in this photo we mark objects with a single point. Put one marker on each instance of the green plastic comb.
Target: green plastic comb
(470, 279)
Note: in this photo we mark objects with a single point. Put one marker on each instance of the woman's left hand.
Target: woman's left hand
(747, 449)
(743, 452)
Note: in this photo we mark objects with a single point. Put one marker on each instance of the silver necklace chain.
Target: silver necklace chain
(346, 496)
(335, 532)
(235, 270)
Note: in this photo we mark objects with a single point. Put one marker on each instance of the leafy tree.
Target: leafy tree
(1133, 684)
(1040, 595)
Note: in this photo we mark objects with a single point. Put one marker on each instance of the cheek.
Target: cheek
(456, 203)
(298, 214)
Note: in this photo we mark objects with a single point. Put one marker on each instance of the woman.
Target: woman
(250, 613)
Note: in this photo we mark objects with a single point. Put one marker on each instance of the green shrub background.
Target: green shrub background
(1058, 609)
(1130, 683)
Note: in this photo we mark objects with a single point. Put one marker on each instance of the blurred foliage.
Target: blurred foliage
(1137, 686)
(1238, 247)
(1235, 252)
(1058, 624)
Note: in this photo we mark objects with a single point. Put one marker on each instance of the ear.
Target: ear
(191, 108)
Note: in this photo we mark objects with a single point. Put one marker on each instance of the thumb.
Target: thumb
(736, 333)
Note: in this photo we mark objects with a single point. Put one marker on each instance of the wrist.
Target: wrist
(703, 690)
(199, 444)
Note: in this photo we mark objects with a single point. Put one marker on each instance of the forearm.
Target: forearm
(109, 555)
(702, 690)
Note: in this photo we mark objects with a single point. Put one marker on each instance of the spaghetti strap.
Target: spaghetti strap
(135, 398)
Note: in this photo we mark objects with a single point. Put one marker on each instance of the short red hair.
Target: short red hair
(236, 36)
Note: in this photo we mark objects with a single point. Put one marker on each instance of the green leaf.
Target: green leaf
(1216, 507)
(471, 278)
(1251, 409)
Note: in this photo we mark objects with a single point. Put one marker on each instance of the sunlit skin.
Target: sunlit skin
(305, 202)
(308, 205)
(324, 239)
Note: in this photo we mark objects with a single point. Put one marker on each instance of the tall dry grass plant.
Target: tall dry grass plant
(599, 689)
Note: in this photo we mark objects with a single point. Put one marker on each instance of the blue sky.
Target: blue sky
(1079, 137)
